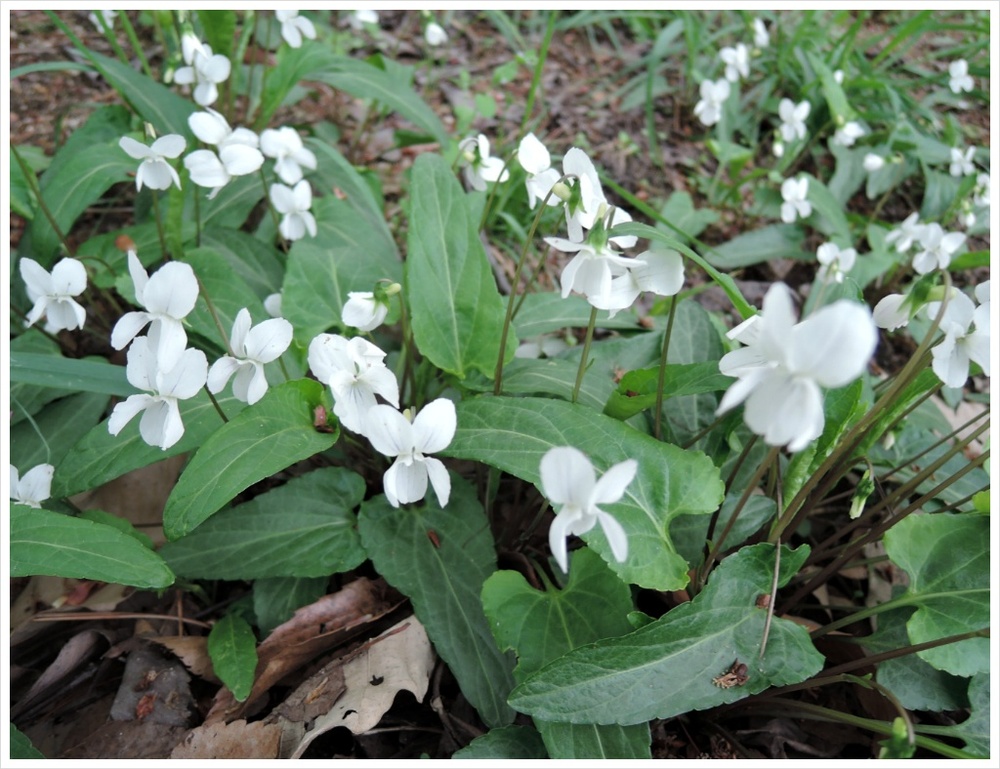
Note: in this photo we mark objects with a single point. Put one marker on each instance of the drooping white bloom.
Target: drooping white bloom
(778, 146)
(794, 192)
(161, 424)
(394, 435)
(358, 19)
(238, 153)
(592, 271)
(569, 480)
(892, 312)
(906, 234)
(982, 294)
(272, 303)
(872, 162)
(713, 95)
(52, 293)
(586, 205)
(34, 488)
(938, 248)
(168, 296)
(355, 372)
(793, 119)
(295, 27)
(981, 193)
(480, 167)
(961, 161)
(254, 346)
(761, 39)
(363, 310)
(95, 18)
(951, 356)
(656, 271)
(435, 34)
(291, 156)
(780, 371)
(959, 78)
(848, 133)
(294, 204)
(835, 262)
(204, 70)
(737, 61)
(154, 170)
(535, 160)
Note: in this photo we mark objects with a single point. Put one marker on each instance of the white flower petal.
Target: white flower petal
(134, 148)
(128, 325)
(434, 426)
(407, 482)
(567, 476)
(220, 373)
(123, 412)
(267, 340)
(611, 486)
(833, 346)
(388, 431)
(617, 538)
(440, 480)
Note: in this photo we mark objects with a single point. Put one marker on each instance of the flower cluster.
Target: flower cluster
(736, 62)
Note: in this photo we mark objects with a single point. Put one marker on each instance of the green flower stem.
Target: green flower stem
(661, 375)
(585, 354)
(215, 403)
(36, 191)
(407, 356)
(134, 40)
(215, 316)
(706, 567)
(109, 35)
(197, 220)
(543, 53)
(284, 370)
(159, 224)
(511, 309)
(493, 191)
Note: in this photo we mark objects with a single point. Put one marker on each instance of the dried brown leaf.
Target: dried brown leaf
(192, 650)
(237, 739)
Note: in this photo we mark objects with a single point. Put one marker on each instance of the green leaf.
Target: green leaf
(232, 648)
(233, 204)
(456, 312)
(733, 156)
(275, 599)
(510, 742)
(220, 30)
(227, 291)
(775, 241)
(43, 542)
(21, 747)
(269, 436)
(975, 730)
(551, 376)
(334, 172)
(512, 434)
(292, 65)
(689, 532)
(667, 668)
(22, 199)
(541, 626)
(54, 429)
(545, 312)
(257, 263)
(348, 254)
(305, 528)
(836, 100)
(679, 210)
(637, 390)
(828, 213)
(443, 578)
(71, 374)
(947, 558)
(27, 398)
(99, 457)
(122, 525)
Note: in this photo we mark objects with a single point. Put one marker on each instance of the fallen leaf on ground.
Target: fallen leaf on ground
(192, 651)
(237, 739)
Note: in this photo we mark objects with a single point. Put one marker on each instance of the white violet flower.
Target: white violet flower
(168, 296)
(780, 371)
(366, 310)
(585, 202)
(52, 293)
(238, 153)
(291, 156)
(872, 162)
(34, 488)
(355, 372)
(761, 39)
(961, 161)
(161, 424)
(591, 271)
(154, 170)
(537, 163)
(569, 480)
(272, 303)
(95, 18)
(848, 133)
(204, 70)
(959, 78)
(395, 435)
(480, 167)
(981, 193)
(834, 261)
(951, 356)
(713, 95)
(737, 61)
(794, 193)
(435, 34)
(892, 311)
(793, 119)
(906, 234)
(254, 346)
(938, 248)
(293, 204)
(295, 27)
(358, 19)
(659, 272)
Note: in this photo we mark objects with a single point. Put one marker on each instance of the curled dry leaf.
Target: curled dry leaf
(400, 658)
(325, 624)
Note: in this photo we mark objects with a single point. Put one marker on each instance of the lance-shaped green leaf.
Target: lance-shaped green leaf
(99, 457)
(257, 263)
(269, 436)
(513, 434)
(679, 662)
(440, 559)
(56, 545)
(947, 558)
(227, 292)
(456, 312)
(505, 742)
(541, 626)
(232, 648)
(305, 528)
(547, 311)
(54, 429)
(88, 376)
(637, 390)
